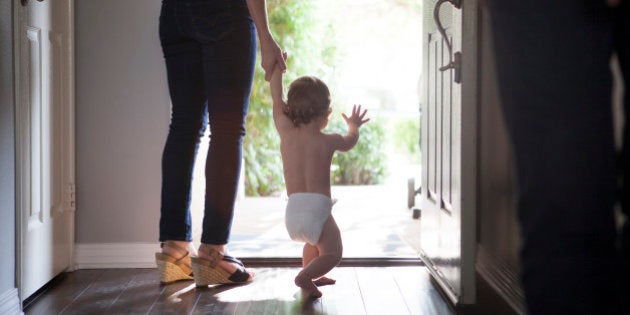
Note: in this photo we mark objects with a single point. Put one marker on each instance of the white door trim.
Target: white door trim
(10, 302)
(71, 131)
(115, 255)
(19, 174)
(469, 125)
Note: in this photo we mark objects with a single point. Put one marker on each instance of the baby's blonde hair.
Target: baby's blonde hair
(308, 98)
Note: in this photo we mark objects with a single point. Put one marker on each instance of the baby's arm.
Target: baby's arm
(279, 117)
(347, 142)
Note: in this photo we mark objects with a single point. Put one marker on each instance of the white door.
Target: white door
(45, 140)
(447, 199)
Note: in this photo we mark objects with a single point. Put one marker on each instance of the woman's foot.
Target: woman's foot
(324, 281)
(174, 262)
(178, 249)
(229, 264)
(306, 284)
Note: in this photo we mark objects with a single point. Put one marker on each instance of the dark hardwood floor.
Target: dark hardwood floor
(359, 290)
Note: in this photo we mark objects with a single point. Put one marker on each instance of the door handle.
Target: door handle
(455, 60)
(25, 2)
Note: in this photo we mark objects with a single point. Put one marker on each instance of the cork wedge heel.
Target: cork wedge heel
(173, 269)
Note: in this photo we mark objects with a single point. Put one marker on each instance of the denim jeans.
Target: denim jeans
(553, 67)
(209, 48)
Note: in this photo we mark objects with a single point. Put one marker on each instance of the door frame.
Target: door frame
(21, 172)
(469, 139)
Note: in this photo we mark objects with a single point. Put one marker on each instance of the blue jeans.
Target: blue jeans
(210, 50)
(555, 82)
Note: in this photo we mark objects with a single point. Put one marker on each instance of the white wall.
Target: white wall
(122, 118)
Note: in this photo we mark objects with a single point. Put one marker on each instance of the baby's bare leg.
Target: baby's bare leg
(309, 253)
(330, 250)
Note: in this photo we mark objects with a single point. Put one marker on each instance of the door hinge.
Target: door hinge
(72, 195)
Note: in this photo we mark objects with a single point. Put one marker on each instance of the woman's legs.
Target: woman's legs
(206, 75)
(228, 66)
(183, 57)
(330, 250)
(228, 69)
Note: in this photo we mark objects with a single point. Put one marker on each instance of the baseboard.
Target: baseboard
(503, 279)
(10, 302)
(115, 255)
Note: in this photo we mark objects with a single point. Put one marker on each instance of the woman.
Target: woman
(210, 50)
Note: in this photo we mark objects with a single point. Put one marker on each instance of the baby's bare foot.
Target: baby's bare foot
(308, 286)
(324, 281)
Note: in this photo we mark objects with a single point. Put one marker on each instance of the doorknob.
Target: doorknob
(455, 60)
(25, 2)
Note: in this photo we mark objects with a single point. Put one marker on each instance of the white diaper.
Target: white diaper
(305, 216)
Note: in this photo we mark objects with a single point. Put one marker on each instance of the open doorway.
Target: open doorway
(369, 53)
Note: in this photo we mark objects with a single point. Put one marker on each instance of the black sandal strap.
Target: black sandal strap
(239, 276)
(231, 259)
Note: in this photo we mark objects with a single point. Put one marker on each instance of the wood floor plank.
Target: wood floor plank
(139, 295)
(380, 292)
(59, 296)
(344, 297)
(272, 292)
(176, 298)
(419, 294)
(210, 303)
(103, 292)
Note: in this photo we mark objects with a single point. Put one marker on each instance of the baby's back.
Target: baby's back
(306, 158)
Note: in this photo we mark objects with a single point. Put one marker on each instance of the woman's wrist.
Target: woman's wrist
(265, 37)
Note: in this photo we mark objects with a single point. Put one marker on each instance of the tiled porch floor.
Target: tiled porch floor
(374, 222)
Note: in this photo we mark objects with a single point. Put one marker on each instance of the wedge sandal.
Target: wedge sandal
(173, 269)
(208, 272)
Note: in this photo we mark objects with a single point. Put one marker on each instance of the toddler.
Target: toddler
(306, 157)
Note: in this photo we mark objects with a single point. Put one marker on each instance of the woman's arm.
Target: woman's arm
(269, 49)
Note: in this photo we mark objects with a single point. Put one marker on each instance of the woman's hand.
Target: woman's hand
(271, 56)
(269, 49)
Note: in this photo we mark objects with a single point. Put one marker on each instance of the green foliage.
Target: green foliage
(406, 138)
(297, 30)
(312, 48)
(366, 163)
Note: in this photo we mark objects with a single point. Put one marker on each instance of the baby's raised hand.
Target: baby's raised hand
(356, 118)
